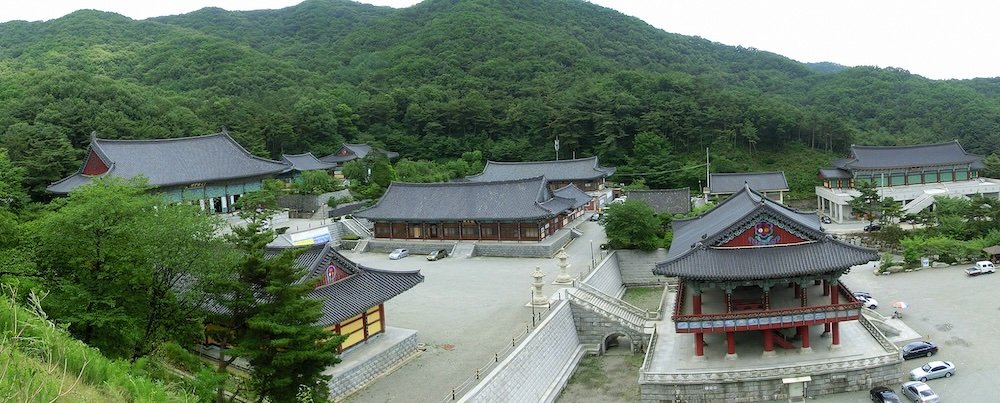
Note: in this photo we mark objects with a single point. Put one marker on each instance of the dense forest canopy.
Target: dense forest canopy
(445, 77)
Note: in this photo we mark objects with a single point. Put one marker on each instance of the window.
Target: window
(529, 232)
(470, 230)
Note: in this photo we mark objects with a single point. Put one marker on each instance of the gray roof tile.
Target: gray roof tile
(306, 162)
(672, 201)
(505, 200)
(561, 170)
(356, 151)
(728, 183)
(873, 157)
(834, 173)
(693, 255)
(178, 161)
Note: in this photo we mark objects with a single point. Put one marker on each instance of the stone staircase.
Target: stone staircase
(616, 310)
(463, 249)
(921, 202)
(357, 227)
(361, 246)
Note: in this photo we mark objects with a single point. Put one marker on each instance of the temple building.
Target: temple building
(772, 185)
(353, 295)
(213, 170)
(754, 266)
(350, 152)
(512, 210)
(306, 162)
(584, 173)
(911, 175)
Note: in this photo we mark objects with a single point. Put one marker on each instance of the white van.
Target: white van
(981, 267)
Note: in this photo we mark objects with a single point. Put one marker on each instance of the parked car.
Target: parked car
(882, 394)
(873, 227)
(919, 392)
(399, 254)
(862, 294)
(932, 370)
(437, 255)
(825, 220)
(981, 267)
(595, 217)
(919, 349)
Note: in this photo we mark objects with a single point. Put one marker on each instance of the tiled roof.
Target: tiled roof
(355, 151)
(504, 200)
(561, 170)
(872, 157)
(306, 162)
(179, 161)
(672, 201)
(692, 252)
(364, 288)
(728, 183)
(834, 173)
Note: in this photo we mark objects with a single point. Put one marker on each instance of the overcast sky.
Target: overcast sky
(935, 39)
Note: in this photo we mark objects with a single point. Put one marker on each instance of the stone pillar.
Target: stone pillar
(201, 203)
(731, 346)
(537, 298)
(805, 340)
(699, 344)
(563, 277)
(769, 344)
(225, 204)
(211, 205)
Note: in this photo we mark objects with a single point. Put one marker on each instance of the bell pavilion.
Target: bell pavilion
(753, 265)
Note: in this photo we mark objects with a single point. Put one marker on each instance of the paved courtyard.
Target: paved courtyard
(960, 313)
(466, 310)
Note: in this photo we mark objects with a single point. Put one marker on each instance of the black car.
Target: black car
(882, 394)
(919, 349)
(826, 220)
(873, 227)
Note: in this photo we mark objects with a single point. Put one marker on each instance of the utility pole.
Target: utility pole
(557, 148)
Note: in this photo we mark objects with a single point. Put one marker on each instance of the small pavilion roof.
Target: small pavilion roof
(306, 162)
(672, 201)
(729, 183)
(561, 170)
(350, 152)
(363, 288)
(449, 201)
(834, 173)
(177, 161)
(695, 251)
(877, 157)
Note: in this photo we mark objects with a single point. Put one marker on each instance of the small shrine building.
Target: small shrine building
(754, 265)
(585, 174)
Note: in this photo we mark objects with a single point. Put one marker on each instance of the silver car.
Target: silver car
(399, 254)
(933, 369)
(919, 392)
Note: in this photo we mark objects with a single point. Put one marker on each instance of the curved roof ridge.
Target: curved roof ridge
(506, 181)
(944, 143)
(163, 140)
(305, 154)
(542, 162)
(748, 173)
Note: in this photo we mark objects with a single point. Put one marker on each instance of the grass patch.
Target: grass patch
(647, 298)
(608, 378)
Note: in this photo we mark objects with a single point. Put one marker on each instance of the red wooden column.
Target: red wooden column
(805, 336)
(826, 288)
(834, 295)
(835, 327)
(696, 302)
(803, 296)
(768, 341)
(730, 343)
(699, 344)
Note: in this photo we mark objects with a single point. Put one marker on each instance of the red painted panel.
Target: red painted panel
(94, 165)
(763, 234)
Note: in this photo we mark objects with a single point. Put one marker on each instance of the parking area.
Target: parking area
(958, 312)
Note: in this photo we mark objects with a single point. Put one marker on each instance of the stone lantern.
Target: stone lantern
(563, 277)
(537, 298)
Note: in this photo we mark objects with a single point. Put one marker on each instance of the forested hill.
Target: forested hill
(443, 77)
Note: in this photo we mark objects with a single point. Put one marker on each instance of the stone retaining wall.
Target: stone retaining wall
(607, 277)
(726, 389)
(416, 248)
(544, 249)
(593, 328)
(384, 362)
(538, 369)
(637, 267)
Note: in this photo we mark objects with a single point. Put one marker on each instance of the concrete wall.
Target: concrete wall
(538, 369)
(593, 328)
(606, 277)
(544, 249)
(416, 248)
(383, 362)
(836, 380)
(637, 267)
(309, 202)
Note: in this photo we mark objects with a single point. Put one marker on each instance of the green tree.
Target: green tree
(12, 195)
(890, 211)
(43, 151)
(269, 320)
(314, 183)
(868, 204)
(632, 224)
